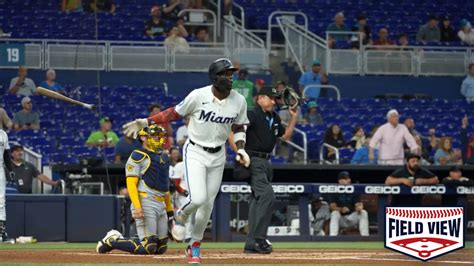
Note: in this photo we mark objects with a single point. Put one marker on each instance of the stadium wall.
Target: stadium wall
(181, 83)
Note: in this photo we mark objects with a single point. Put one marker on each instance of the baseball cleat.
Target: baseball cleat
(178, 231)
(195, 255)
(104, 246)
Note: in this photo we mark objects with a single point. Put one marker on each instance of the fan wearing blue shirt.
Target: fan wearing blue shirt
(50, 82)
(315, 76)
(361, 156)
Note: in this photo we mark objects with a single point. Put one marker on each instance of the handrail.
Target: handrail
(165, 87)
(310, 34)
(270, 26)
(285, 34)
(303, 148)
(321, 151)
(250, 36)
(242, 13)
(338, 93)
(214, 19)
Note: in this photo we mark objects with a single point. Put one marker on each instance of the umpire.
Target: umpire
(263, 130)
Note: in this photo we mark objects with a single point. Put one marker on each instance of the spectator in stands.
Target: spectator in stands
(448, 34)
(22, 85)
(403, 40)
(182, 132)
(125, 147)
(358, 138)
(171, 9)
(409, 175)
(192, 4)
(259, 83)
(285, 116)
(361, 156)
(466, 34)
(104, 137)
(429, 32)
(363, 32)
(102, 6)
(390, 138)
(155, 26)
(347, 210)
(201, 35)
(155, 108)
(337, 26)
(467, 143)
(383, 39)
(425, 154)
(445, 155)
(175, 42)
(335, 138)
(245, 87)
(71, 6)
(410, 125)
(433, 140)
(313, 117)
(50, 82)
(5, 121)
(467, 87)
(315, 76)
(25, 118)
(454, 180)
(183, 32)
(24, 172)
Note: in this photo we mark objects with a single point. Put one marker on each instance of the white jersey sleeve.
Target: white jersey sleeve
(242, 116)
(188, 105)
(3, 146)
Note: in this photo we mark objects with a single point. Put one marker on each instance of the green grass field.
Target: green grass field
(218, 245)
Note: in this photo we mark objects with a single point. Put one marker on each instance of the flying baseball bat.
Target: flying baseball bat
(55, 95)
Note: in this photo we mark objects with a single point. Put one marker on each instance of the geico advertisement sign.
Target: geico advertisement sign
(336, 189)
(276, 188)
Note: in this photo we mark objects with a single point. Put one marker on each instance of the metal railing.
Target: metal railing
(304, 45)
(204, 23)
(338, 93)
(123, 55)
(244, 45)
(242, 13)
(304, 148)
(271, 25)
(321, 154)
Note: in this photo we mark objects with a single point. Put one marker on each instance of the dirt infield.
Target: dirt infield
(234, 256)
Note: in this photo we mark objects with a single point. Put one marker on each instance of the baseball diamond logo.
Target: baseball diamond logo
(424, 232)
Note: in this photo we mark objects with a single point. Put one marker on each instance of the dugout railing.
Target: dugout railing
(221, 230)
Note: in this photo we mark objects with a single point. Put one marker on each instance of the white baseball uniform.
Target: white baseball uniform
(210, 123)
(177, 173)
(3, 181)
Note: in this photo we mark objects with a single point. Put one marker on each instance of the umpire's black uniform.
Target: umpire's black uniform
(262, 133)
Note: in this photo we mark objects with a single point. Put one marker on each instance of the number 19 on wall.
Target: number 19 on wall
(12, 55)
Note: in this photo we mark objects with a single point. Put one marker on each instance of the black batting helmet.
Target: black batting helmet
(219, 66)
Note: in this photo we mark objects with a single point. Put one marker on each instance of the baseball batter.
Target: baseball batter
(213, 112)
(5, 162)
(148, 185)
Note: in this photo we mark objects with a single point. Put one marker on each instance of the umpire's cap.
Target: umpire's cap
(269, 91)
(218, 66)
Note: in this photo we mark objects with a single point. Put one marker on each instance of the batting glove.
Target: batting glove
(131, 128)
(242, 155)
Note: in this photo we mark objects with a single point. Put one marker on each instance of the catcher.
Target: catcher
(148, 185)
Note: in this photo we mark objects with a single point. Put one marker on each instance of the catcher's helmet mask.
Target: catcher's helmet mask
(217, 75)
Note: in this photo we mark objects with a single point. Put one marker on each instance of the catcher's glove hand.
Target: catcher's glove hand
(131, 129)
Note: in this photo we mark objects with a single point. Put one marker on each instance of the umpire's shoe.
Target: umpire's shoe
(104, 246)
(261, 246)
